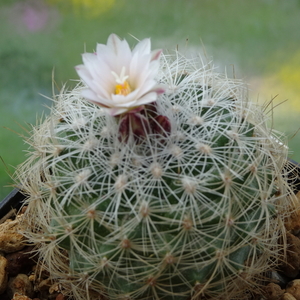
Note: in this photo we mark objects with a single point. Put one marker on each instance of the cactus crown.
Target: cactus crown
(170, 199)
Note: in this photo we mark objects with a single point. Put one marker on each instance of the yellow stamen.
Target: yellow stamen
(123, 89)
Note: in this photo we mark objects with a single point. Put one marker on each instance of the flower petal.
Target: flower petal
(155, 55)
(143, 47)
(115, 111)
(89, 94)
(114, 43)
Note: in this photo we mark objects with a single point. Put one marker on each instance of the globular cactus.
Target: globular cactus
(179, 196)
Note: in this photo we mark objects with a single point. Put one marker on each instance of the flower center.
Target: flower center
(122, 87)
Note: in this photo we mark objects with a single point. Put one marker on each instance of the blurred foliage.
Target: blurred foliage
(84, 8)
(288, 77)
(21, 73)
(38, 37)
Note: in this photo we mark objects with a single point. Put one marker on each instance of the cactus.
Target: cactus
(178, 198)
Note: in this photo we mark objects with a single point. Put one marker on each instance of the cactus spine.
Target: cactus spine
(191, 210)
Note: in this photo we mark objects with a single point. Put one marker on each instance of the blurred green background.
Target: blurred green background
(257, 40)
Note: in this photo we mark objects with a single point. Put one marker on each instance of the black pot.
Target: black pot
(292, 169)
(13, 200)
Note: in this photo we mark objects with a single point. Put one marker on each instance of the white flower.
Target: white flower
(119, 79)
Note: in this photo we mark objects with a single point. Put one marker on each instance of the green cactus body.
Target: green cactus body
(189, 214)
